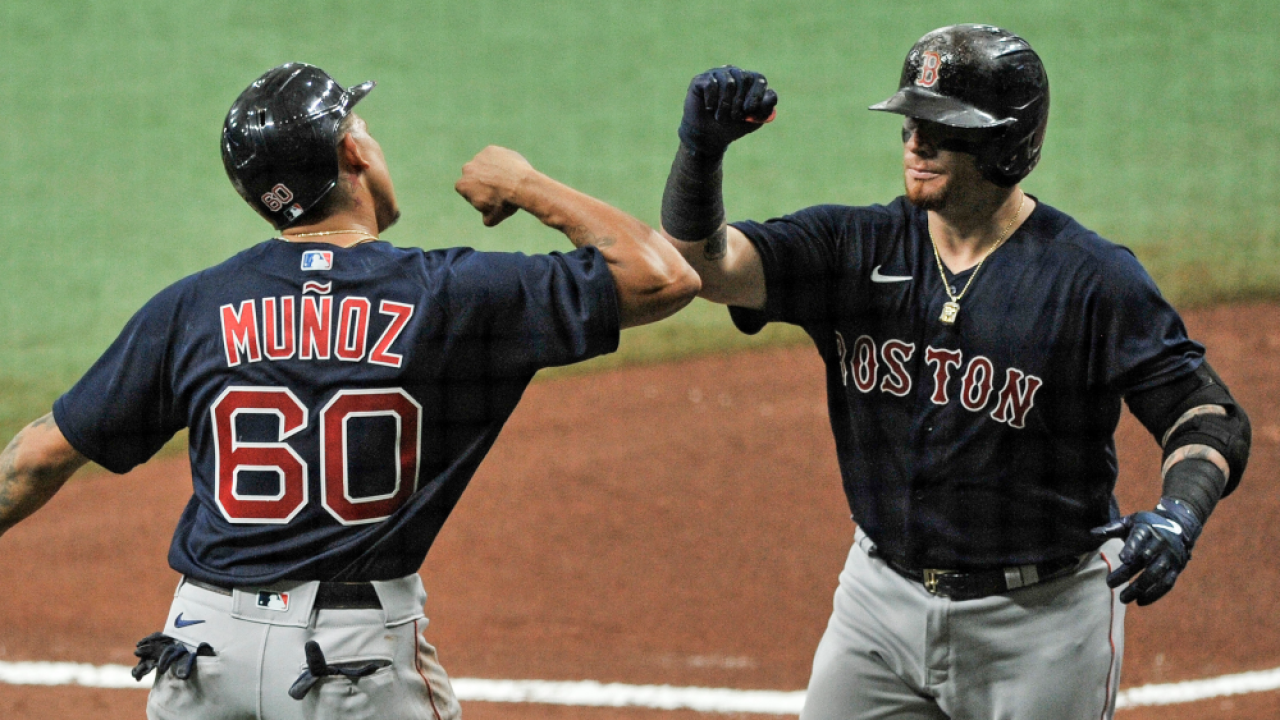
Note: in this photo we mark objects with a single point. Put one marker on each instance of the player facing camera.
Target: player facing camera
(973, 414)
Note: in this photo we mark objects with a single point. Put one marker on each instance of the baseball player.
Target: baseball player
(977, 344)
(340, 393)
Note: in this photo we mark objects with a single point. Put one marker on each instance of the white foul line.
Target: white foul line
(62, 673)
(1193, 690)
(660, 697)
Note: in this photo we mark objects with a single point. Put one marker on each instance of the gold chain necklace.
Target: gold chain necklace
(951, 309)
(364, 236)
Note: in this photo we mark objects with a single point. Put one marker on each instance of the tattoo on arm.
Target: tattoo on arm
(9, 458)
(9, 473)
(1196, 452)
(25, 488)
(581, 236)
(717, 245)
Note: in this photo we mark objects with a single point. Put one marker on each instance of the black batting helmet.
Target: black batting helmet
(979, 77)
(279, 141)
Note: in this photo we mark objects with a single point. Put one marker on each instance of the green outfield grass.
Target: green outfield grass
(1163, 134)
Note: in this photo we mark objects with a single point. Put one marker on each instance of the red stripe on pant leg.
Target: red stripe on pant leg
(417, 664)
(1111, 639)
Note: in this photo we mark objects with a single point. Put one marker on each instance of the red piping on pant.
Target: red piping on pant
(1111, 639)
(417, 665)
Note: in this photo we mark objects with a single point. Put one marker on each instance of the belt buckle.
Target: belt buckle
(931, 578)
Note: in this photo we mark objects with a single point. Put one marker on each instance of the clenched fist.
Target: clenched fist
(491, 181)
(722, 105)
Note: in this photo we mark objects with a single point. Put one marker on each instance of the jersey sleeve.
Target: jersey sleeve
(801, 257)
(1139, 340)
(534, 311)
(121, 412)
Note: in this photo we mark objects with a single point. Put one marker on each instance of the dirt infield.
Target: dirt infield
(678, 524)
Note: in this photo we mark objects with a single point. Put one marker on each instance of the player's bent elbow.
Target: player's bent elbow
(687, 285)
(683, 285)
(659, 299)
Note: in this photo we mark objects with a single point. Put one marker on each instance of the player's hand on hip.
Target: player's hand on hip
(724, 104)
(1157, 544)
(491, 180)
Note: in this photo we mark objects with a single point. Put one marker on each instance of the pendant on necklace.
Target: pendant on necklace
(949, 312)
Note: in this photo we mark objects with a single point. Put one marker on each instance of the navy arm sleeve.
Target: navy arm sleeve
(801, 254)
(121, 412)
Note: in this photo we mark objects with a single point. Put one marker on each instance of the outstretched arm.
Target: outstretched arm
(653, 280)
(32, 468)
(721, 106)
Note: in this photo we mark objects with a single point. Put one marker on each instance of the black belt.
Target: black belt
(974, 584)
(330, 596)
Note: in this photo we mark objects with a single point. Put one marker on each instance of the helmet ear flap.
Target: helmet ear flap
(997, 168)
(1006, 165)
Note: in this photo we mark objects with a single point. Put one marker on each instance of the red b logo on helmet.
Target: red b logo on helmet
(929, 63)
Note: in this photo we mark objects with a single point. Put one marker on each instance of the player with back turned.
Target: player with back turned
(340, 393)
(978, 344)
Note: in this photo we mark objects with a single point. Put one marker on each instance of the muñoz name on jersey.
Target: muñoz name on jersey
(861, 365)
(311, 327)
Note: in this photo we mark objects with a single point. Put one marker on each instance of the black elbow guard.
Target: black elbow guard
(1228, 433)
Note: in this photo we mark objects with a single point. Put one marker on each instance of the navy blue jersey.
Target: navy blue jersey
(338, 400)
(988, 442)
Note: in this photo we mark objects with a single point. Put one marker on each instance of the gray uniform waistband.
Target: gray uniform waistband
(291, 602)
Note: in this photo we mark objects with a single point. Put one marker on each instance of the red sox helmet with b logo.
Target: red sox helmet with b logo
(979, 77)
(279, 141)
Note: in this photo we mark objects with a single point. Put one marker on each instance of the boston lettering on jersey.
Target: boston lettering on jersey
(282, 328)
(861, 364)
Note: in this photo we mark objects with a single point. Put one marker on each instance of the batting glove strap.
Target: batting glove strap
(1178, 512)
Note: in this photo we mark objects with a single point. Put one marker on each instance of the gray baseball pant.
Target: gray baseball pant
(260, 655)
(1049, 651)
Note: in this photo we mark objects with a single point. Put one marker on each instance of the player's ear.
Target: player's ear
(352, 156)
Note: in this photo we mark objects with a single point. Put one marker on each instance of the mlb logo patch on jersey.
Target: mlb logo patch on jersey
(273, 600)
(317, 260)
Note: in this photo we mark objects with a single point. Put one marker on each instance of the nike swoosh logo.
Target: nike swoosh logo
(1170, 525)
(876, 277)
(178, 622)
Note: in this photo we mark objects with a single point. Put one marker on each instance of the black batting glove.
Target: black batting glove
(160, 652)
(318, 667)
(1157, 544)
(722, 105)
